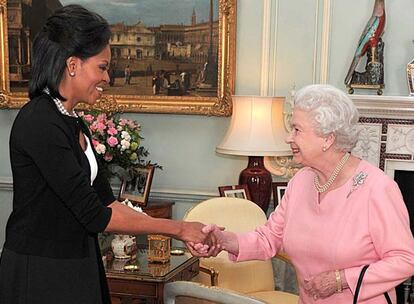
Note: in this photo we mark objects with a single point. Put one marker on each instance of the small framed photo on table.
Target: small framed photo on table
(278, 189)
(138, 188)
(238, 191)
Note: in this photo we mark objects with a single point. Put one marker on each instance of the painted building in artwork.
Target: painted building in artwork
(132, 41)
(198, 36)
(193, 42)
(177, 50)
(164, 42)
(167, 34)
(194, 38)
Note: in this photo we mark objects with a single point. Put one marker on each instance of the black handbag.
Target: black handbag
(358, 287)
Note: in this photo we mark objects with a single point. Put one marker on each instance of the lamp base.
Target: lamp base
(258, 180)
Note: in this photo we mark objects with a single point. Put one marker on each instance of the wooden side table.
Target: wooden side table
(147, 282)
(159, 208)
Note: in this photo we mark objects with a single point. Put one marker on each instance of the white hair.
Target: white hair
(331, 111)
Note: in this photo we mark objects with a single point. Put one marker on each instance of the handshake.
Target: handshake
(209, 240)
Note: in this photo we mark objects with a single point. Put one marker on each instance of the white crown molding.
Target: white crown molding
(384, 106)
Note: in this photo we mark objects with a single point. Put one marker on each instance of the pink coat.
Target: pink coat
(346, 230)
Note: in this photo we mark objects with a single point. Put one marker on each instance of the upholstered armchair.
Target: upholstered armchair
(192, 290)
(253, 278)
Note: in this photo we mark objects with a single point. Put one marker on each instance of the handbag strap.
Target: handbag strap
(359, 283)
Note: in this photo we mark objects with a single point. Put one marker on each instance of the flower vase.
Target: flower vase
(123, 246)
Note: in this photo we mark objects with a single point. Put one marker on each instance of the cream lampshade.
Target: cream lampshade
(256, 130)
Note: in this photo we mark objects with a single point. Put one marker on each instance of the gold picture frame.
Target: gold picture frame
(219, 105)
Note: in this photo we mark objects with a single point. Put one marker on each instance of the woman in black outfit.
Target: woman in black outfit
(61, 197)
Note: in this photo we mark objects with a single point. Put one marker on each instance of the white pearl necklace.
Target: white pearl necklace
(322, 188)
(59, 105)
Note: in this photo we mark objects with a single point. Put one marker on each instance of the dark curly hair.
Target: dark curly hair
(71, 31)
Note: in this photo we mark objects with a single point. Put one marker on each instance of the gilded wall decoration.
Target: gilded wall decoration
(183, 67)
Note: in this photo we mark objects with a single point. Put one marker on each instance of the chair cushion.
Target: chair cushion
(246, 277)
(276, 297)
(235, 214)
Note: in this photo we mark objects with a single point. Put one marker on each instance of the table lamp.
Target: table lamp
(256, 130)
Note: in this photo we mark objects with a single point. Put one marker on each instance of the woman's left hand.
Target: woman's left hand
(321, 286)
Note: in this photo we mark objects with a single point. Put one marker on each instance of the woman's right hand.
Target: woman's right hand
(192, 232)
(220, 240)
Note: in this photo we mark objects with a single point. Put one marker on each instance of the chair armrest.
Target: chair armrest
(199, 291)
(212, 273)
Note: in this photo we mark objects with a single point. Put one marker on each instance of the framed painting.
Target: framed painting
(278, 189)
(165, 58)
(138, 189)
(238, 191)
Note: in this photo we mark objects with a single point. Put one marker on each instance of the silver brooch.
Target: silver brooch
(357, 181)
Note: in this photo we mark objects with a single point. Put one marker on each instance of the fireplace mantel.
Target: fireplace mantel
(387, 128)
(384, 106)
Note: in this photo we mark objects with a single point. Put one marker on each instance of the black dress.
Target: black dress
(26, 279)
(51, 254)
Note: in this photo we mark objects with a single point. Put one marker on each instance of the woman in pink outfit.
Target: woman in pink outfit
(338, 214)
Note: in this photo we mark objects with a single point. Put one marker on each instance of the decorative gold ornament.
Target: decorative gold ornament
(159, 248)
(282, 166)
(218, 105)
(106, 104)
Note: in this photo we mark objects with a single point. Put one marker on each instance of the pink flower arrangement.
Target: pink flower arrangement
(116, 140)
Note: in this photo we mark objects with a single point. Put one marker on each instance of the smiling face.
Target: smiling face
(90, 77)
(306, 145)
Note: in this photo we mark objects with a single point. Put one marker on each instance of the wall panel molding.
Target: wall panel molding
(325, 41)
(184, 196)
(321, 44)
(6, 183)
(264, 85)
(316, 43)
(269, 47)
(190, 196)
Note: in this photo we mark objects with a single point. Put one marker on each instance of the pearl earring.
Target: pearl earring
(72, 74)
(324, 149)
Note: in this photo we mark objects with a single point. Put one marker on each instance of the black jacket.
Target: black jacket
(54, 205)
